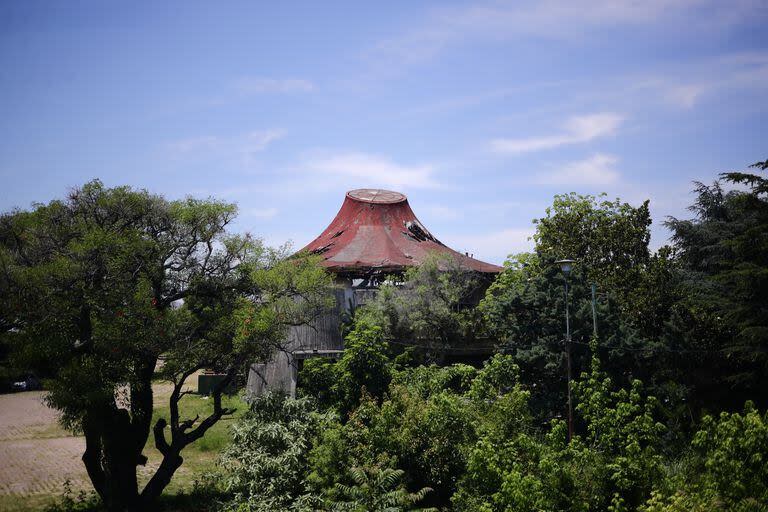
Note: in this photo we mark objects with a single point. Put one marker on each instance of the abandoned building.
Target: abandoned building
(374, 234)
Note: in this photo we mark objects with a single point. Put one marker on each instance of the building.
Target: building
(374, 234)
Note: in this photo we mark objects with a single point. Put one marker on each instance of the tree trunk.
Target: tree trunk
(92, 455)
(111, 457)
(114, 441)
(162, 477)
(121, 458)
(180, 437)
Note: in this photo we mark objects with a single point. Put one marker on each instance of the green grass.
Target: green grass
(14, 503)
(202, 455)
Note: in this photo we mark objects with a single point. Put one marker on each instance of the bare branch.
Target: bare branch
(159, 433)
(187, 424)
(218, 410)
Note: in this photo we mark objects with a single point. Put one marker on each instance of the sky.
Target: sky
(479, 112)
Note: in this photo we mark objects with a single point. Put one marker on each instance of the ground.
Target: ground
(39, 457)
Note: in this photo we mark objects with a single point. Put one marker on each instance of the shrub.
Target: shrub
(266, 464)
(376, 490)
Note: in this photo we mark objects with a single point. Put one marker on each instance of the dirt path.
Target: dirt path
(37, 455)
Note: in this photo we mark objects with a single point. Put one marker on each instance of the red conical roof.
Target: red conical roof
(377, 230)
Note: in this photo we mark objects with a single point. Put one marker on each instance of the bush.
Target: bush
(75, 502)
(728, 470)
(425, 425)
(363, 366)
(266, 464)
(513, 467)
(376, 490)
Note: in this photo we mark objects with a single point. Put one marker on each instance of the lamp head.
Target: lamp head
(566, 266)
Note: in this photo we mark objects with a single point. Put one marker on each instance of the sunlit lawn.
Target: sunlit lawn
(201, 455)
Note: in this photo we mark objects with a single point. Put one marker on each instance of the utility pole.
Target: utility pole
(568, 362)
(594, 310)
(566, 266)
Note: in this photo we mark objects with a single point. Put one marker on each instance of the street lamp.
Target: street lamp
(566, 266)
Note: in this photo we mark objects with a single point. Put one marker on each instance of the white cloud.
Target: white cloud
(260, 213)
(595, 170)
(367, 170)
(193, 144)
(440, 212)
(259, 85)
(554, 19)
(241, 147)
(686, 83)
(492, 246)
(576, 130)
(684, 96)
(254, 142)
(727, 73)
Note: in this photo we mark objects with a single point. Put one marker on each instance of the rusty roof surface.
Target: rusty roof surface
(377, 230)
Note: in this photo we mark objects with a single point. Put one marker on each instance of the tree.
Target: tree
(609, 239)
(616, 464)
(524, 308)
(110, 281)
(363, 368)
(726, 470)
(724, 253)
(432, 307)
(424, 425)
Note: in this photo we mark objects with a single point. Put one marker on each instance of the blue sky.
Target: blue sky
(479, 112)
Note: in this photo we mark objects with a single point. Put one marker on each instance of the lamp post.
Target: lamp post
(566, 266)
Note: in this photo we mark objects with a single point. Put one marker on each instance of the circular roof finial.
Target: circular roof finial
(376, 196)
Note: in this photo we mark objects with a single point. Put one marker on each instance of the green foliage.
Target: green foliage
(735, 451)
(317, 379)
(609, 241)
(376, 490)
(621, 425)
(724, 251)
(431, 307)
(614, 466)
(426, 436)
(75, 502)
(468, 434)
(425, 425)
(608, 238)
(431, 380)
(364, 367)
(266, 463)
(726, 470)
(525, 309)
(102, 284)
(346, 445)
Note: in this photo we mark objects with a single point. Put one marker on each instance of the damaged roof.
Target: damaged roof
(377, 230)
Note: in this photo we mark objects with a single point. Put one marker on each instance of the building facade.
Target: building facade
(375, 234)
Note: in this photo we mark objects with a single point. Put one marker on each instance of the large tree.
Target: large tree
(609, 240)
(431, 306)
(112, 287)
(525, 307)
(724, 253)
